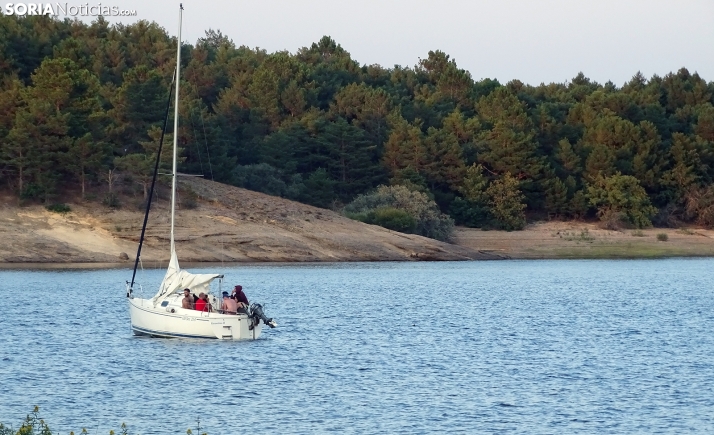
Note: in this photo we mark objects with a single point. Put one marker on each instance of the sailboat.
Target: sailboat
(163, 315)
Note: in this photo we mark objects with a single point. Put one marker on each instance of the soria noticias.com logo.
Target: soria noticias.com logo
(66, 9)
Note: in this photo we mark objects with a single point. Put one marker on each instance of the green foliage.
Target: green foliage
(473, 210)
(583, 236)
(261, 177)
(662, 237)
(469, 213)
(621, 198)
(189, 199)
(388, 217)
(34, 425)
(111, 200)
(506, 202)
(430, 222)
(474, 184)
(59, 208)
(319, 189)
(79, 100)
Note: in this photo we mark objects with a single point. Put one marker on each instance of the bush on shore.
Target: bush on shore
(401, 209)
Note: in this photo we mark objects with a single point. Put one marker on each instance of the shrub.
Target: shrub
(189, 200)
(506, 201)
(612, 219)
(111, 200)
(638, 233)
(32, 191)
(662, 237)
(390, 218)
(624, 197)
(469, 213)
(59, 208)
(699, 206)
(430, 222)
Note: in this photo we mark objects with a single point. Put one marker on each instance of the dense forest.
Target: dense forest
(82, 105)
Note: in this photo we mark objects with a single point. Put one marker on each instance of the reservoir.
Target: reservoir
(532, 347)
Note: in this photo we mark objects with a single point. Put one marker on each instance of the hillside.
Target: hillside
(229, 224)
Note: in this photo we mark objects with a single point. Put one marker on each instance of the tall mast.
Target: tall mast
(176, 117)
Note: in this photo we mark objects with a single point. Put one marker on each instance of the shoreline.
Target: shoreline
(46, 266)
(233, 226)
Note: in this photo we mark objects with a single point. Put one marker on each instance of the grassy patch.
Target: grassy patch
(638, 233)
(623, 251)
(662, 237)
(584, 236)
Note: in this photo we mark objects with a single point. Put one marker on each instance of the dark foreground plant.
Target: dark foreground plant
(34, 425)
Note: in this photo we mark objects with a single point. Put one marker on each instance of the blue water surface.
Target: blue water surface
(532, 347)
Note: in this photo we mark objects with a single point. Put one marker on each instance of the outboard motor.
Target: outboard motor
(256, 313)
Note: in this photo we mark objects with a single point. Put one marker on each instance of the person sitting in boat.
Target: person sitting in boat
(202, 303)
(229, 305)
(240, 297)
(187, 301)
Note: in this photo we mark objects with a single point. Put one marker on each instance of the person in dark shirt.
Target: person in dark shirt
(240, 297)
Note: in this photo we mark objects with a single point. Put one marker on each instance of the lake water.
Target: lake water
(532, 347)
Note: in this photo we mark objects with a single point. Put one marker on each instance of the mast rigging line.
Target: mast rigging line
(153, 182)
(176, 130)
(205, 139)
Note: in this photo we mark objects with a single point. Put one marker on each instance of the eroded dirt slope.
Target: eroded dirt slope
(229, 225)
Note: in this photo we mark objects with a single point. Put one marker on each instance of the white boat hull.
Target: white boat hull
(176, 322)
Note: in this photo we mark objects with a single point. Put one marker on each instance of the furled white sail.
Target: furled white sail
(176, 280)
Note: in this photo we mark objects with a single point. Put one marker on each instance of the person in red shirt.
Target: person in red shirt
(202, 302)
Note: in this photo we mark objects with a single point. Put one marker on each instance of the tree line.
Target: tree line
(82, 105)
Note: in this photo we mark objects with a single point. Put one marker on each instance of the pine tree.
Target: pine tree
(85, 159)
(353, 159)
(509, 145)
(405, 146)
(444, 165)
(138, 104)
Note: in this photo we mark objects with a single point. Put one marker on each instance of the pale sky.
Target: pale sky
(531, 40)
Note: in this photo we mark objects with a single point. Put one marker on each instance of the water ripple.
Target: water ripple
(532, 347)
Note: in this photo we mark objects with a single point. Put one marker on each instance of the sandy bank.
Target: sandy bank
(233, 225)
(229, 225)
(587, 240)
